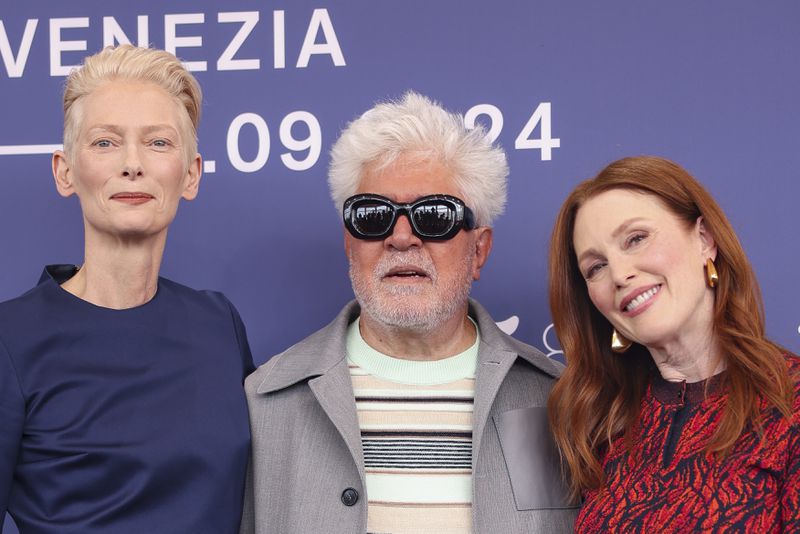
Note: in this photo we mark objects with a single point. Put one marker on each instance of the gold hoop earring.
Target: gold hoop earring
(712, 278)
(619, 343)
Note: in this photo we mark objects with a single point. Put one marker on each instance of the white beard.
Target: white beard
(420, 307)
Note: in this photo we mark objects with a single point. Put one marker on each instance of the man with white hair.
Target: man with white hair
(411, 412)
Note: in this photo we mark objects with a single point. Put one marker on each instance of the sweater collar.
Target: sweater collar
(325, 350)
(684, 392)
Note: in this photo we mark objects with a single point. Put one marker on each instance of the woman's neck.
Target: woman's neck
(118, 273)
(688, 361)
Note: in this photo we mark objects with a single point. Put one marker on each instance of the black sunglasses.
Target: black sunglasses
(437, 217)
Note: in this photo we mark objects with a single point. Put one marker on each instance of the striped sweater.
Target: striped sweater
(416, 430)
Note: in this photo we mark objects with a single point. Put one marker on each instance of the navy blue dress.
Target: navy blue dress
(122, 421)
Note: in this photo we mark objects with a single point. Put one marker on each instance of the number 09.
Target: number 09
(312, 142)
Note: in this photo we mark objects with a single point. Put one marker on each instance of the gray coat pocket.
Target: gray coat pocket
(532, 459)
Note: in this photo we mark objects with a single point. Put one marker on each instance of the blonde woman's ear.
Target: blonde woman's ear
(195, 172)
(62, 173)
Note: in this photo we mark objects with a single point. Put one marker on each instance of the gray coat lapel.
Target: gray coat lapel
(496, 355)
(321, 360)
(493, 365)
(334, 392)
(318, 354)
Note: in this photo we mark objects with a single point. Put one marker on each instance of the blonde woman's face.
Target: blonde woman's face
(128, 166)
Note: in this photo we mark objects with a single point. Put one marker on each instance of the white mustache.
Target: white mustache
(414, 259)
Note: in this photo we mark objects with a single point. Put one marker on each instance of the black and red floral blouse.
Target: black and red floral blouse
(667, 484)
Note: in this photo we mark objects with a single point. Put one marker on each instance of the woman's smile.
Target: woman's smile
(638, 301)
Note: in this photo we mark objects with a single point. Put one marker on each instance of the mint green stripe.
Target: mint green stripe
(414, 372)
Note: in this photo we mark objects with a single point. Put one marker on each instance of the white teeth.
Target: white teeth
(641, 299)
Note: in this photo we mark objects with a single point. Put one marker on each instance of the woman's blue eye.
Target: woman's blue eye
(103, 143)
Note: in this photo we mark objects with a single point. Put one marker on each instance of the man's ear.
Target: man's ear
(709, 245)
(194, 173)
(346, 238)
(62, 174)
(483, 246)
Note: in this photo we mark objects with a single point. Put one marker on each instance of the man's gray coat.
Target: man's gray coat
(307, 471)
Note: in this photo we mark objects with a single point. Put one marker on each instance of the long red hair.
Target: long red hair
(598, 396)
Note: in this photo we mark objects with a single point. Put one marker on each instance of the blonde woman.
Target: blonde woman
(120, 391)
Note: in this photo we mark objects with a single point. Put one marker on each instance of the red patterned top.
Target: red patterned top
(667, 484)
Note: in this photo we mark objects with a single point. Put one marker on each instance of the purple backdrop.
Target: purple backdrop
(712, 85)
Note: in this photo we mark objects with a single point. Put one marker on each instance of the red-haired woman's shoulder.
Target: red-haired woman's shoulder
(793, 361)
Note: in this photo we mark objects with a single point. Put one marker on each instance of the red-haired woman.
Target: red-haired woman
(675, 413)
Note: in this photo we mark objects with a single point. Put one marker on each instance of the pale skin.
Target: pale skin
(129, 170)
(630, 246)
(455, 333)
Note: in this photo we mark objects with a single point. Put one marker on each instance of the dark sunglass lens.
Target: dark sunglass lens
(435, 218)
(372, 219)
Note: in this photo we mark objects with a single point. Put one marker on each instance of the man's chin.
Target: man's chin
(401, 290)
(406, 312)
(405, 321)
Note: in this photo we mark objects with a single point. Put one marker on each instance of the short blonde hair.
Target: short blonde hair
(127, 62)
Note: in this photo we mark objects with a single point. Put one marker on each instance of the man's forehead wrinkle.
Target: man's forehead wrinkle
(403, 162)
(397, 188)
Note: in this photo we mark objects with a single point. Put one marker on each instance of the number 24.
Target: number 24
(540, 117)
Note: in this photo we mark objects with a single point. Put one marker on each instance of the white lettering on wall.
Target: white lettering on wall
(262, 131)
(299, 132)
(278, 39)
(320, 20)
(551, 351)
(495, 119)
(58, 46)
(539, 118)
(320, 40)
(172, 42)
(509, 326)
(312, 142)
(249, 19)
(113, 33)
(15, 66)
(545, 142)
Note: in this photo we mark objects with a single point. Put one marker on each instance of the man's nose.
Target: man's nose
(402, 236)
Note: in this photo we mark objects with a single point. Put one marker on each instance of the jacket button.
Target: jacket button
(349, 497)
